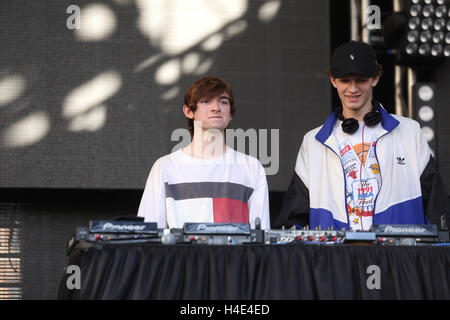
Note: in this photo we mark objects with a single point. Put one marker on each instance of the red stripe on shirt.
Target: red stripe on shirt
(229, 210)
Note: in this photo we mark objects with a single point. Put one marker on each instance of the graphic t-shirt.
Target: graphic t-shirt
(230, 188)
(362, 173)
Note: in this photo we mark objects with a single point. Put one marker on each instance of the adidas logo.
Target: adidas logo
(400, 160)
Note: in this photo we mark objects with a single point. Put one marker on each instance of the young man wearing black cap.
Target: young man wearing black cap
(363, 166)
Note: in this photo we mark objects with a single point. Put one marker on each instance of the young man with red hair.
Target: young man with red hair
(206, 181)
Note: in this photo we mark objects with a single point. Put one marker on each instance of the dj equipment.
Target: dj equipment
(304, 236)
(401, 234)
(123, 227)
(116, 231)
(360, 237)
(124, 231)
(221, 233)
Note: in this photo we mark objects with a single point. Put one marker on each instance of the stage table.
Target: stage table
(188, 271)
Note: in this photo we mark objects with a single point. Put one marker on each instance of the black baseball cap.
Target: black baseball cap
(354, 57)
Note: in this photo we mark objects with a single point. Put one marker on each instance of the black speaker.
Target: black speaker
(425, 112)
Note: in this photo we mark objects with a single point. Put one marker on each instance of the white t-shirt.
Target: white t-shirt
(230, 188)
(362, 174)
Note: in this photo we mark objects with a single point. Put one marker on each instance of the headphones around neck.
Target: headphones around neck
(371, 118)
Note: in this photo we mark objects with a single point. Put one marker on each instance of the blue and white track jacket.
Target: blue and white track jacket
(411, 190)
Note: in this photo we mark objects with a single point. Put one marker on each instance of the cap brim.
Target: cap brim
(339, 72)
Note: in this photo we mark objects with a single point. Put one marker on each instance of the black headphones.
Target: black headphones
(371, 118)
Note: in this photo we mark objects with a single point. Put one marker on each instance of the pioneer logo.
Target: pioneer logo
(220, 228)
(122, 227)
(406, 230)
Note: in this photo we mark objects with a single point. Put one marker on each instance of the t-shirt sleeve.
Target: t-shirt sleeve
(153, 205)
(259, 200)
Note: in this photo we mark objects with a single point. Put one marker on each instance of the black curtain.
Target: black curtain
(259, 272)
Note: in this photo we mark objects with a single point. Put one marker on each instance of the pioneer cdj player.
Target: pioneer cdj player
(123, 231)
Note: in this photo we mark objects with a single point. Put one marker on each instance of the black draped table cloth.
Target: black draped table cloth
(186, 271)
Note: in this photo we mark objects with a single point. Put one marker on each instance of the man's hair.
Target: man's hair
(206, 87)
(378, 71)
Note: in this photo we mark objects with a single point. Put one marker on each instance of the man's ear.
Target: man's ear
(375, 80)
(188, 112)
(332, 80)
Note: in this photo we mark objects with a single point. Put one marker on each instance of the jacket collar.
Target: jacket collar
(388, 122)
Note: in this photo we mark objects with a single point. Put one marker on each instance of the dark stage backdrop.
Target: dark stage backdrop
(94, 107)
(85, 112)
(443, 119)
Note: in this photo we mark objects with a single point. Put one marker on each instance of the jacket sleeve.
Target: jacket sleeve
(295, 206)
(435, 197)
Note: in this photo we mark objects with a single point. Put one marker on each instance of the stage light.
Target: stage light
(415, 10)
(424, 106)
(411, 48)
(424, 49)
(425, 36)
(441, 11)
(414, 23)
(447, 51)
(428, 11)
(436, 50)
(427, 22)
(413, 36)
(428, 133)
(425, 93)
(438, 36)
(439, 24)
(425, 113)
